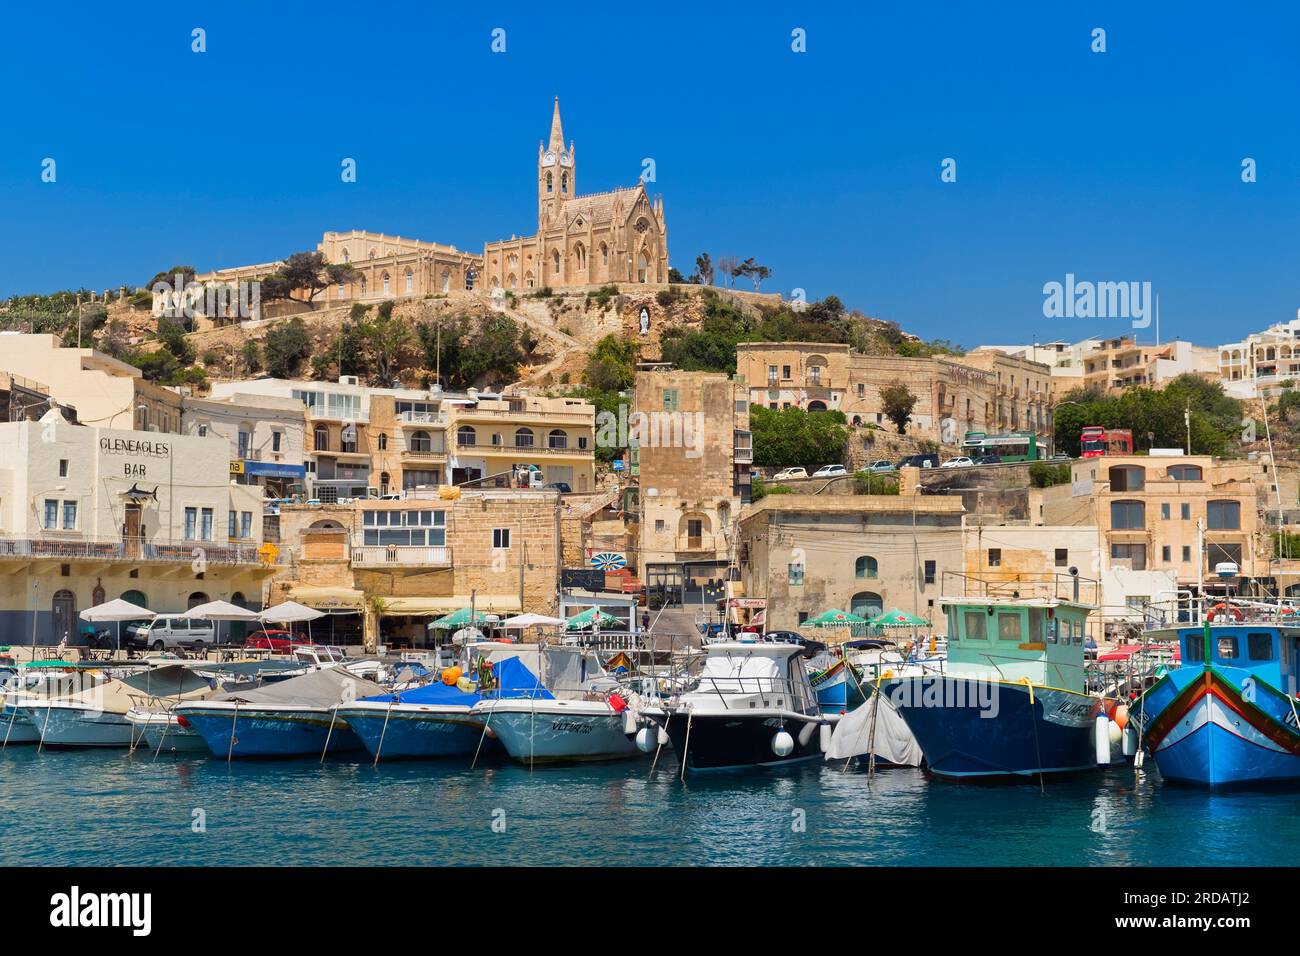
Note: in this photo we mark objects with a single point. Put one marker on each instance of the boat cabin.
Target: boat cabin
(1270, 653)
(741, 675)
(1041, 639)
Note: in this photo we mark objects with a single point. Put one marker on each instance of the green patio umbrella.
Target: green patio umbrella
(458, 619)
(833, 618)
(897, 618)
(592, 617)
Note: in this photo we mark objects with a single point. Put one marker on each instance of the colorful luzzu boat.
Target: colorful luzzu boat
(1011, 702)
(1228, 715)
(838, 687)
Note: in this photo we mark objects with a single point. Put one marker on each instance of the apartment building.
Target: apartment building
(1256, 365)
(692, 456)
(987, 391)
(805, 554)
(1116, 364)
(1146, 510)
(364, 441)
(90, 514)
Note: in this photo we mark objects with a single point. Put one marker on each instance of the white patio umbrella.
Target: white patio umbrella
(220, 611)
(291, 612)
(119, 611)
(532, 620)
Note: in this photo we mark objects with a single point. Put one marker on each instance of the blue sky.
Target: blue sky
(1123, 165)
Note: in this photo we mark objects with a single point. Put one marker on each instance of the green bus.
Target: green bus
(1010, 446)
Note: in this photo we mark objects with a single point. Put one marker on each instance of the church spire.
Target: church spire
(557, 130)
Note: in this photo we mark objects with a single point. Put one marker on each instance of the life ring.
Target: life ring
(1221, 609)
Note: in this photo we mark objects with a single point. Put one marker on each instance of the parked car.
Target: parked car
(169, 633)
(961, 461)
(784, 637)
(881, 466)
(930, 460)
(830, 471)
(1061, 456)
(276, 641)
(790, 474)
(988, 460)
(561, 486)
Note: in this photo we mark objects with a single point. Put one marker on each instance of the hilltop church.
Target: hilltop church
(616, 236)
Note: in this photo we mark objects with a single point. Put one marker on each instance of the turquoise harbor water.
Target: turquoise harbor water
(105, 807)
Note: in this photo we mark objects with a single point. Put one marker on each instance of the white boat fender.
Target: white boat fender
(1102, 731)
(806, 732)
(1139, 758)
(629, 721)
(662, 737)
(782, 744)
(646, 739)
(1130, 740)
(825, 736)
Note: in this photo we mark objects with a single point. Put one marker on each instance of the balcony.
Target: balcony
(400, 555)
(223, 552)
(424, 453)
(422, 418)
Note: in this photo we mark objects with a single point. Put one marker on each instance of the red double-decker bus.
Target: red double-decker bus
(1096, 442)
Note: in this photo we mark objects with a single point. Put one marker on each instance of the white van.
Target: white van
(170, 633)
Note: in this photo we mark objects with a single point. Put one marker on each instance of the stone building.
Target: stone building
(982, 391)
(805, 554)
(691, 457)
(616, 236)
(384, 569)
(1257, 365)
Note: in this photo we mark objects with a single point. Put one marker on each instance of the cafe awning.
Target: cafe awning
(438, 606)
(329, 599)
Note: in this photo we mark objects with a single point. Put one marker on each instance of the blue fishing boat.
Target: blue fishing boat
(436, 719)
(292, 718)
(1226, 716)
(838, 687)
(1012, 701)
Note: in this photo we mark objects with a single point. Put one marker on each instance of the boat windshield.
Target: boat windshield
(740, 674)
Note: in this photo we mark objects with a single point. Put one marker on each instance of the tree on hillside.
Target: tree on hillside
(169, 276)
(728, 265)
(897, 404)
(307, 271)
(754, 271)
(704, 268)
(612, 365)
(383, 338)
(286, 345)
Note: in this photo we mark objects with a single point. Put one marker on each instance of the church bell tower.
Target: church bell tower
(556, 180)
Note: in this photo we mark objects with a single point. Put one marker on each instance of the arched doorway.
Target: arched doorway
(642, 268)
(816, 406)
(866, 604)
(237, 629)
(63, 609)
(195, 599)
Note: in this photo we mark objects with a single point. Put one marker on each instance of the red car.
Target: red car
(278, 642)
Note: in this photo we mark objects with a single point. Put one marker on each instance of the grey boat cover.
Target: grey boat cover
(894, 742)
(170, 680)
(322, 688)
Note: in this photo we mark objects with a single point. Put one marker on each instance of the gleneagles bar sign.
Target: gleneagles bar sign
(134, 449)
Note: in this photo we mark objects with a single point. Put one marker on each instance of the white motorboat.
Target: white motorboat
(577, 715)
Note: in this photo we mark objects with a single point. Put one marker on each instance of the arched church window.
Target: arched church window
(564, 183)
(555, 258)
(385, 283)
(550, 182)
(410, 282)
(604, 255)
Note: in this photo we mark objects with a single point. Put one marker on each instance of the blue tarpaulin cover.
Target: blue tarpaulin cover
(514, 679)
